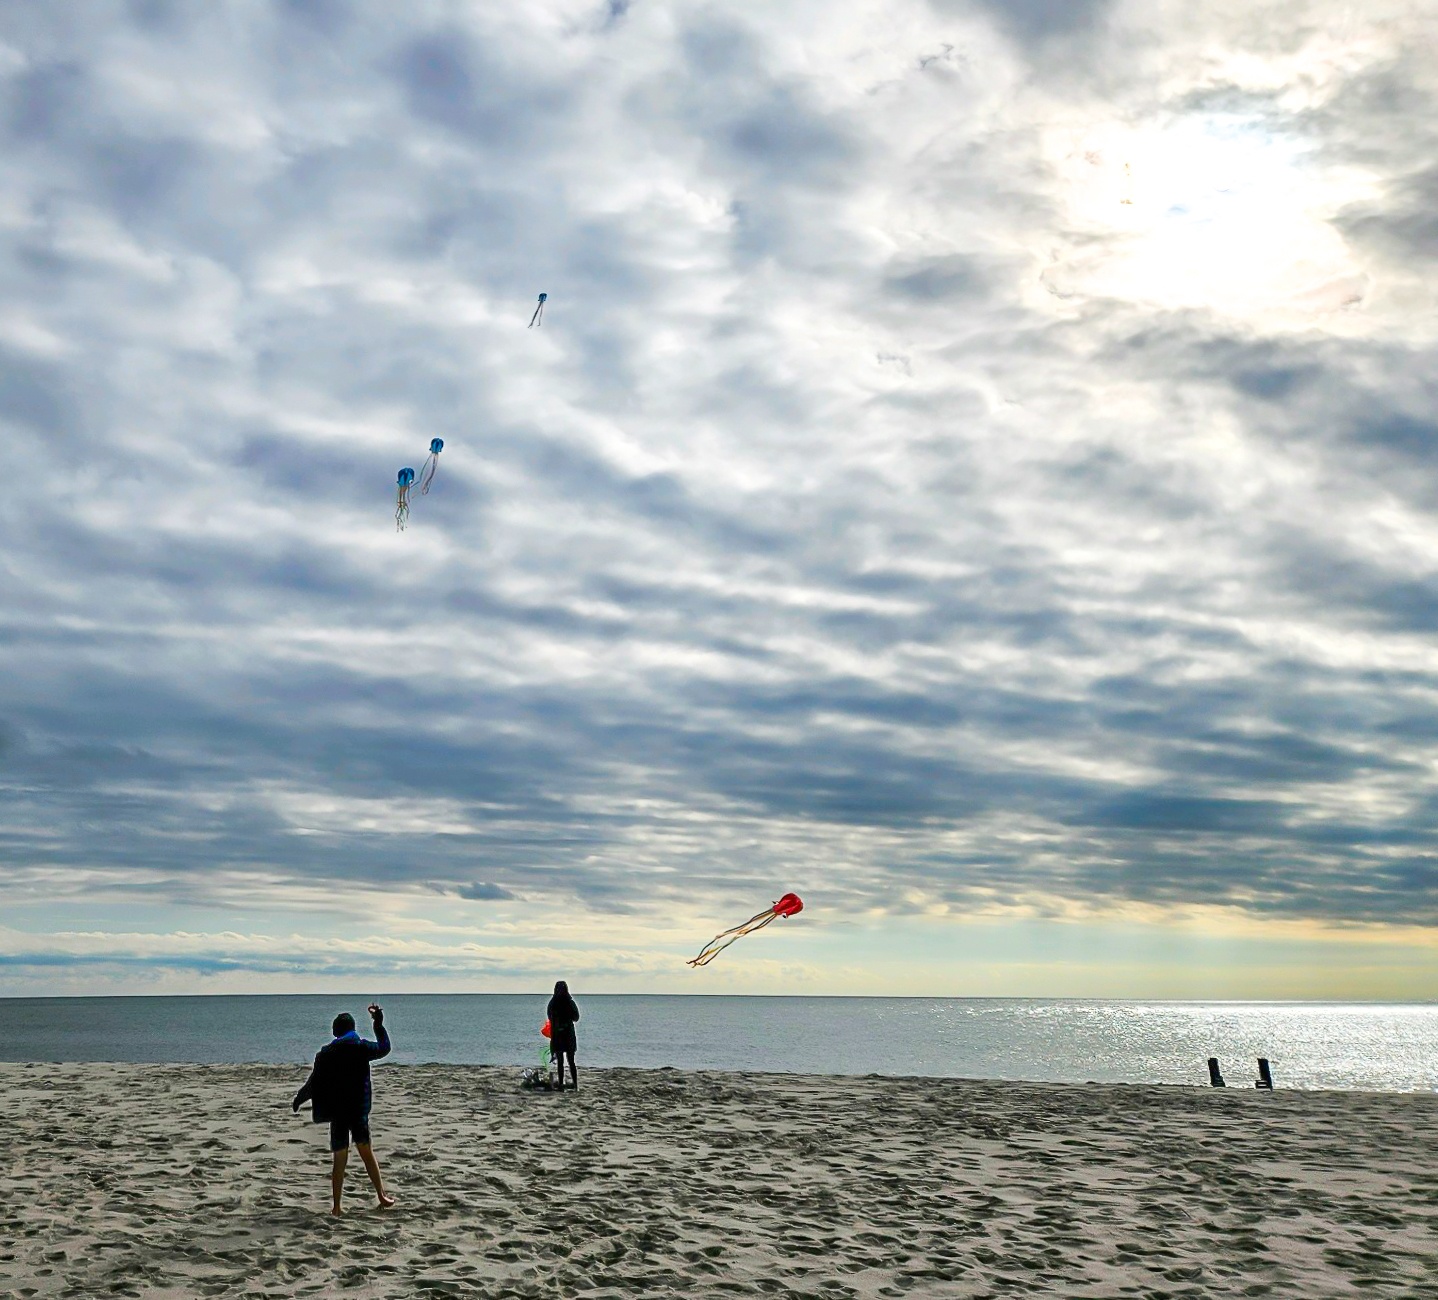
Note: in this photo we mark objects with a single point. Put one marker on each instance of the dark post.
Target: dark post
(1214, 1078)
(1265, 1079)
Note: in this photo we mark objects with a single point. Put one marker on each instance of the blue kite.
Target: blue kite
(401, 509)
(426, 474)
(538, 317)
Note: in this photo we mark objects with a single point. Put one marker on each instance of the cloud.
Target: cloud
(937, 483)
(1041, 21)
(482, 891)
(212, 954)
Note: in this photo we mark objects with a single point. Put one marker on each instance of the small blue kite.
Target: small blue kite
(426, 474)
(401, 509)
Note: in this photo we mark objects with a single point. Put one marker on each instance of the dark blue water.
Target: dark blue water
(1311, 1045)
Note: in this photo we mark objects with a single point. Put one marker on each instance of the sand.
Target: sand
(181, 1181)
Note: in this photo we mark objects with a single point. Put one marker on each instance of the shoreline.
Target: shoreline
(173, 1181)
(660, 1072)
(1233, 1086)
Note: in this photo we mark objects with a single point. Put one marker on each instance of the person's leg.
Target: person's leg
(573, 1071)
(337, 1178)
(558, 1058)
(372, 1168)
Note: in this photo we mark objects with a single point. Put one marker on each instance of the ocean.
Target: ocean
(1372, 1046)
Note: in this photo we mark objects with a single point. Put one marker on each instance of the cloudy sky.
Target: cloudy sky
(977, 469)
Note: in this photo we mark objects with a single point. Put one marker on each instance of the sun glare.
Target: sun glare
(1205, 212)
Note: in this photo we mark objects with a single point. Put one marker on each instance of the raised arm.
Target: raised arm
(380, 1047)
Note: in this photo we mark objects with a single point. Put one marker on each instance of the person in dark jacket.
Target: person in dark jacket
(339, 1086)
(563, 1016)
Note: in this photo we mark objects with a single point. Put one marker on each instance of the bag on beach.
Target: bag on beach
(541, 1079)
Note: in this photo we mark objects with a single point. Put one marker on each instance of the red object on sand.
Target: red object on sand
(546, 1030)
(789, 905)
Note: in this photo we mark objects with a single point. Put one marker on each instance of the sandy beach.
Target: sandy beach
(180, 1181)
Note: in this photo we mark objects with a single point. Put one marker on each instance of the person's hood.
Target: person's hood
(350, 1036)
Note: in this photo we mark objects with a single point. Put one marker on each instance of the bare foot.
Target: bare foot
(385, 1200)
(335, 1211)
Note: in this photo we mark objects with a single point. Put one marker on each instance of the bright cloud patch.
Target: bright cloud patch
(1209, 212)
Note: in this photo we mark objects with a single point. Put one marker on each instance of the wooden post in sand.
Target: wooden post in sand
(1265, 1079)
(1214, 1078)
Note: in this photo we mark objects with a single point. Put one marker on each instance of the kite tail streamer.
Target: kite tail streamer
(719, 942)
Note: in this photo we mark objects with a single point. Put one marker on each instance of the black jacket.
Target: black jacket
(563, 1014)
(339, 1084)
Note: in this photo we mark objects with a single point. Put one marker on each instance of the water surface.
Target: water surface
(1382, 1046)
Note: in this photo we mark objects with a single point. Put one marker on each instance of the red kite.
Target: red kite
(789, 905)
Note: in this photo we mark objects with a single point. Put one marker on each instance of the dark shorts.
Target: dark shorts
(342, 1130)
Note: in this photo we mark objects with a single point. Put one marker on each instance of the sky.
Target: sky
(977, 470)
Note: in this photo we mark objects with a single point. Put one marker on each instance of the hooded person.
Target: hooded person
(563, 1042)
